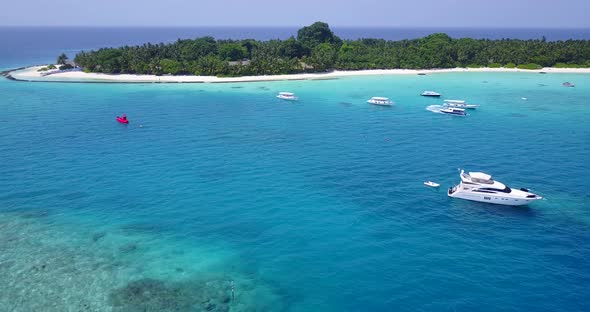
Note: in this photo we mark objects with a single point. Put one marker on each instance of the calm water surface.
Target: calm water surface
(316, 205)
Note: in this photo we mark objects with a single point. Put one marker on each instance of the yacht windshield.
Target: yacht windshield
(476, 180)
(505, 190)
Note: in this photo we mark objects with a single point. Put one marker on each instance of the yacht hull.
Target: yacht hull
(492, 198)
(287, 98)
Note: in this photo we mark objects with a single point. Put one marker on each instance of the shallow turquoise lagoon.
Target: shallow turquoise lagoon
(221, 197)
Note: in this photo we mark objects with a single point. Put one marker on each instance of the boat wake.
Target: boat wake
(434, 108)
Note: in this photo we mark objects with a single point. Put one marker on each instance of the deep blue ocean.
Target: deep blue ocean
(220, 197)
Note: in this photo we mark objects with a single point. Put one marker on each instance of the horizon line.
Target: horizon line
(293, 26)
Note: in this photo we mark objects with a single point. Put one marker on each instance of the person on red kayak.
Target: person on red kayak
(122, 119)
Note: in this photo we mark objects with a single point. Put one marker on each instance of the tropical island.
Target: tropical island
(315, 49)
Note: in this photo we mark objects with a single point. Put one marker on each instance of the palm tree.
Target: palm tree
(62, 59)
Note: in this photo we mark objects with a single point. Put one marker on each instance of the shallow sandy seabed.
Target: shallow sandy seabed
(43, 268)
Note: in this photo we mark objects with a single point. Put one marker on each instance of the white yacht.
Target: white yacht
(376, 100)
(453, 111)
(460, 104)
(430, 94)
(478, 186)
(287, 96)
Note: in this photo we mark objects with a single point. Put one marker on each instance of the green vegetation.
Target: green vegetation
(66, 66)
(46, 68)
(572, 65)
(316, 49)
(529, 66)
(494, 65)
(62, 59)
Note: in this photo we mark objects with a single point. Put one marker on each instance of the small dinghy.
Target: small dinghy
(431, 184)
(288, 96)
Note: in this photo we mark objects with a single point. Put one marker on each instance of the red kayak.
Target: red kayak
(122, 119)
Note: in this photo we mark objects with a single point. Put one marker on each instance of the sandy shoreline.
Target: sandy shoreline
(31, 74)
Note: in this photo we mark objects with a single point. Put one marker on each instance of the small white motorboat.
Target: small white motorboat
(460, 104)
(383, 101)
(453, 111)
(430, 94)
(431, 184)
(287, 96)
(568, 84)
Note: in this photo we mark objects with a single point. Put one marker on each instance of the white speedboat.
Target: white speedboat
(453, 111)
(459, 104)
(568, 84)
(478, 186)
(430, 94)
(287, 96)
(431, 184)
(377, 100)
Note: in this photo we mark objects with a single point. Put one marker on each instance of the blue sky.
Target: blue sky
(367, 13)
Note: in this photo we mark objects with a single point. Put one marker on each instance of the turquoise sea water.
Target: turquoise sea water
(315, 205)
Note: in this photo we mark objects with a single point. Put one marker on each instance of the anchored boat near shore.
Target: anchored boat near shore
(453, 111)
(430, 94)
(288, 96)
(383, 101)
(460, 104)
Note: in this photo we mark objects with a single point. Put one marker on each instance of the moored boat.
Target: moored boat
(383, 101)
(568, 84)
(430, 94)
(480, 187)
(289, 96)
(453, 111)
(459, 104)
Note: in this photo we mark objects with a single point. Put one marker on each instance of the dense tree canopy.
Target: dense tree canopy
(62, 59)
(316, 49)
(316, 34)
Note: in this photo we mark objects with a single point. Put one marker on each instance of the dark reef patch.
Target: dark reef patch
(142, 228)
(155, 295)
(128, 248)
(97, 236)
(518, 115)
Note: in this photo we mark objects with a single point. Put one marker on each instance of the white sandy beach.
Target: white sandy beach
(31, 74)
